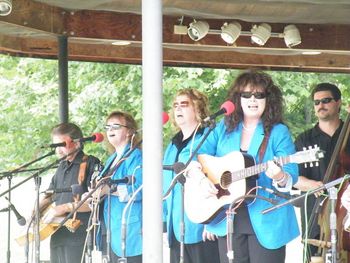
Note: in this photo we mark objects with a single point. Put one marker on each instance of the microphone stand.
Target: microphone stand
(8, 254)
(182, 180)
(9, 175)
(300, 197)
(123, 258)
(330, 187)
(44, 169)
(333, 223)
(230, 230)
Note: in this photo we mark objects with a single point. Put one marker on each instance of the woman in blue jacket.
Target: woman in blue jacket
(124, 162)
(256, 129)
(189, 108)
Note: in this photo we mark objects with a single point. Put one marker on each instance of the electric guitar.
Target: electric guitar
(227, 174)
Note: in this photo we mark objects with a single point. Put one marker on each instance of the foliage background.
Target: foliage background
(29, 99)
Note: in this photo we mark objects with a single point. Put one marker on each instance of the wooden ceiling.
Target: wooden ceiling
(33, 27)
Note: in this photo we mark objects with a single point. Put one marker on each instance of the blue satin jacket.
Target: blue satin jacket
(172, 205)
(276, 228)
(130, 166)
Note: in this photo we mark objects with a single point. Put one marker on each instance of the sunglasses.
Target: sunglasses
(323, 101)
(248, 94)
(114, 127)
(181, 104)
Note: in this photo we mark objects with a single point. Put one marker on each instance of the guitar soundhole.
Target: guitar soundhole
(225, 180)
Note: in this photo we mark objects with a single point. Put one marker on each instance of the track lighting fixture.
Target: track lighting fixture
(230, 32)
(198, 29)
(5, 7)
(291, 36)
(261, 33)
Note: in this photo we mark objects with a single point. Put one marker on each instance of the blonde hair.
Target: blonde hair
(199, 101)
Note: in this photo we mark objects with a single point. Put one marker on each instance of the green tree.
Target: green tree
(29, 99)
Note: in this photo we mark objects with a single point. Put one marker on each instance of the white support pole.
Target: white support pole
(152, 72)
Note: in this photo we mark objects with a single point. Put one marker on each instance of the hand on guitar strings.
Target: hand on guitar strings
(194, 173)
(274, 171)
(56, 211)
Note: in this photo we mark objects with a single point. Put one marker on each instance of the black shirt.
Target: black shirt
(311, 137)
(316, 136)
(66, 175)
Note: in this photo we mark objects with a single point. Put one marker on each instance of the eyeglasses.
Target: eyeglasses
(115, 126)
(323, 101)
(182, 104)
(248, 94)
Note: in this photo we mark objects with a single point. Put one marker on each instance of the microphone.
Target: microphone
(126, 180)
(20, 219)
(281, 195)
(96, 137)
(165, 117)
(226, 108)
(54, 145)
(75, 189)
(176, 167)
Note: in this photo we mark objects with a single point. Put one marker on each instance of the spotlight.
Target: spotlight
(291, 36)
(230, 32)
(261, 33)
(197, 30)
(5, 7)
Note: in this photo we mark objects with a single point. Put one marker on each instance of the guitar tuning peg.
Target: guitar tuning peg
(316, 164)
(305, 165)
(304, 148)
(310, 147)
(311, 165)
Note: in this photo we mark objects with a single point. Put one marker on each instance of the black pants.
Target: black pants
(202, 252)
(247, 249)
(66, 254)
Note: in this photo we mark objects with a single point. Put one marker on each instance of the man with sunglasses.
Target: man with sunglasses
(327, 103)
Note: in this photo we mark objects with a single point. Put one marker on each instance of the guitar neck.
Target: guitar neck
(256, 169)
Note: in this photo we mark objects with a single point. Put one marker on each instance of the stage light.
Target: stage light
(5, 7)
(230, 32)
(261, 33)
(197, 30)
(291, 36)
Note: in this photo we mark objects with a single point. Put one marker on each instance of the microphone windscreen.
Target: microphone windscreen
(98, 137)
(229, 107)
(165, 117)
(77, 189)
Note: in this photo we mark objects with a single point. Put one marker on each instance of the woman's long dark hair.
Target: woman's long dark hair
(274, 100)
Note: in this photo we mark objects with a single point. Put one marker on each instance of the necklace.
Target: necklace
(248, 129)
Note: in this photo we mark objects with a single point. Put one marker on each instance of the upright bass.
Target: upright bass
(339, 165)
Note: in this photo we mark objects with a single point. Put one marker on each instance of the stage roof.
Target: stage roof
(91, 26)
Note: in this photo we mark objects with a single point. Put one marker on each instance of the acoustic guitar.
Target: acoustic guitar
(48, 226)
(227, 174)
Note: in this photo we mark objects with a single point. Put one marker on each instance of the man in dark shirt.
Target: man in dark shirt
(327, 103)
(76, 169)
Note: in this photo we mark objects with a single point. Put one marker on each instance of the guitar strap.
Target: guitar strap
(263, 146)
(82, 171)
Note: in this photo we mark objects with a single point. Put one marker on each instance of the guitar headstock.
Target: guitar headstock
(310, 155)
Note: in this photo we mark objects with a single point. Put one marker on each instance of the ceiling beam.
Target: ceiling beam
(38, 26)
(178, 57)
